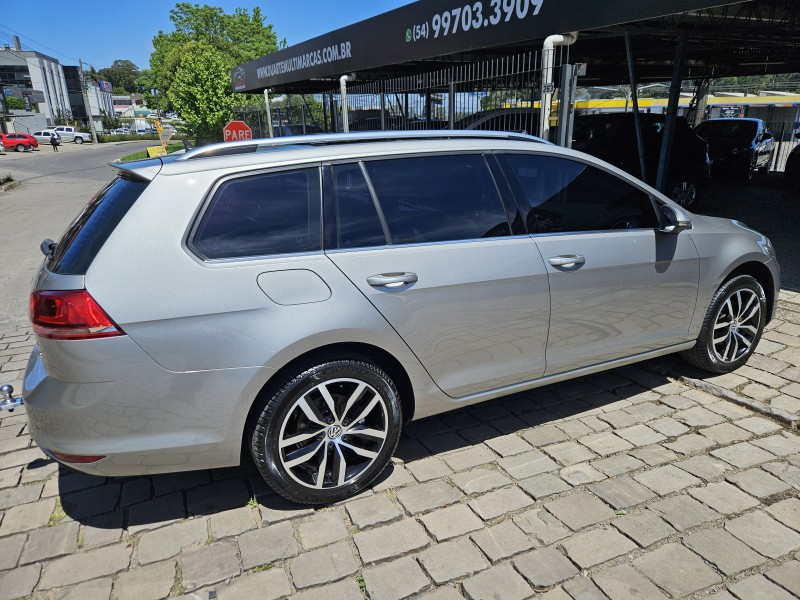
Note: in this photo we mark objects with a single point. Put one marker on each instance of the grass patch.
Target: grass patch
(6, 178)
(264, 567)
(57, 515)
(143, 154)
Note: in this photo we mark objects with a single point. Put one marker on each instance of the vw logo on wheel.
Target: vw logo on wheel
(334, 431)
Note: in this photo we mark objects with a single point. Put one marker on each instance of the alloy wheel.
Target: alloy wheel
(333, 433)
(736, 326)
(684, 193)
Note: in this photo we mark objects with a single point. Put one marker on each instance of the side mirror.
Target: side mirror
(674, 220)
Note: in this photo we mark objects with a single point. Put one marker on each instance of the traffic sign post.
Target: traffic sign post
(235, 131)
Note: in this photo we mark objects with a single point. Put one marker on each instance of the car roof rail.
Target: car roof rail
(333, 139)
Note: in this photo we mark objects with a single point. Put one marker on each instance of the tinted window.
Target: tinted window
(275, 213)
(89, 231)
(565, 195)
(438, 198)
(357, 222)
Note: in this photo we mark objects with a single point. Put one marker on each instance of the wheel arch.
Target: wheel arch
(761, 273)
(356, 350)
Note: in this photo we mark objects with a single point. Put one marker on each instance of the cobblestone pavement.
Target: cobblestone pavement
(652, 481)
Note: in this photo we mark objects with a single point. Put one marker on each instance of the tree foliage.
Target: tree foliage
(122, 74)
(205, 37)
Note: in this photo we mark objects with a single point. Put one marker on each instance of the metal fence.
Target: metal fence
(785, 141)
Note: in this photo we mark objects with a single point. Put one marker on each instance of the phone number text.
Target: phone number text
(476, 15)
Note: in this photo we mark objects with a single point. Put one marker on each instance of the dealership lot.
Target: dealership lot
(648, 481)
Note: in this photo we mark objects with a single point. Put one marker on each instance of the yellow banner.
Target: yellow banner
(156, 151)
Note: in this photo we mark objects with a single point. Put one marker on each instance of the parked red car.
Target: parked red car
(18, 141)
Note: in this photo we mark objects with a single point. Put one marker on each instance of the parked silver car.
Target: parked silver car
(44, 137)
(304, 298)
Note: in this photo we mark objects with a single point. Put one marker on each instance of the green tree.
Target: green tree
(201, 90)
(122, 74)
(15, 103)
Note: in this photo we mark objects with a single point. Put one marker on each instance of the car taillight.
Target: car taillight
(76, 458)
(70, 315)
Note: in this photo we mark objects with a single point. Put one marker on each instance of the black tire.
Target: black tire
(78, 140)
(731, 350)
(283, 418)
(19, 148)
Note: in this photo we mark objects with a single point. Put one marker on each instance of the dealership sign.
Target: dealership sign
(431, 28)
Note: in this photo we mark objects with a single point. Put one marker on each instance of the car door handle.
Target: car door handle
(392, 280)
(567, 261)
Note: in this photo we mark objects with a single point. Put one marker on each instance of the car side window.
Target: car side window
(258, 215)
(564, 195)
(438, 198)
(357, 222)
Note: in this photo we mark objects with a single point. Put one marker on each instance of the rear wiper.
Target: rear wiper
(48, 248)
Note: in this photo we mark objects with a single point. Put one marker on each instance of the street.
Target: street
(650, 481)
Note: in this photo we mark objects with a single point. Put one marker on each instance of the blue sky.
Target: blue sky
(101, 32)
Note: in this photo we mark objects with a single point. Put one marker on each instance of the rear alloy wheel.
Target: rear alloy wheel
(732, 327)
(78, 140)
(684, 193)
(328, 432)
(19, 148)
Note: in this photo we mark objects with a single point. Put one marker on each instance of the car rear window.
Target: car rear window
(90, 229)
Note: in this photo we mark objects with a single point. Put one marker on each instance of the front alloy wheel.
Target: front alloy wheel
(732, 327)
(328, 432)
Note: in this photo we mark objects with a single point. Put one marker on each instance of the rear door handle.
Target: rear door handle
(392, 280)
(568, 261)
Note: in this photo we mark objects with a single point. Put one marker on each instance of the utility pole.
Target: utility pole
(86, 101)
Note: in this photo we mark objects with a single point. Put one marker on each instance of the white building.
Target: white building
(37, 78)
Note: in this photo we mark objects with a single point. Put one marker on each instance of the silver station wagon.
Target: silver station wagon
(304, 298)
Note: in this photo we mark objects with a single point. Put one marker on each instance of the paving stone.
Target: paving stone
(758, 425)
(97, 589)
(527, 464)
(668, 426)
(764, 534)
(582, 588)
(146, 583)
(485, 585)
(605, 443)
(270, 544)
(580, 474)
(787, 512)
(544, 485)
(758, 483)
(12, 549)
(20, 495)
(779, 445)
(683, 512)
(174, 482)
(209, 564)
(50, 542)
(691, 443)
(596, 546)
(622, 492)
(390, 540)
(542, 527)
(444, 592)
(373, 510)
(428, 469)
(276, 509)
(644, 528)
(93, 501)
(501, 541)
(216, 497)
(481, 480)
(678, 402)
(544, 435)
(9, 477)
(155, 513)
(325, 565)
(723, 550)
(758, 587)
(787, 576)
(788, 473)
(274, 583)
(569, 453)
(450, 522)
(545, 567)
(102, 530)
(640, 435)
(619, 419)
(725, 433)
(618, 465)
(469, 458)
(452, 560)
(557, 593)
(427, 496)
(698, 416)
(395, 476)
(83, 566)
(623, 583)
(25, 517)
(509, 445)
(742, 455)
(135, 491)
(499, 502)
(394, 580)
(724, 498)
(704, 466)
(579, 510)
(20, 582)
(666, 480)
(321, 529)
(654, 455)
(231, 522)
(575, 428)
(677, 570)
(168, 541)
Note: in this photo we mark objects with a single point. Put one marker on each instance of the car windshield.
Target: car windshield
(735, 130)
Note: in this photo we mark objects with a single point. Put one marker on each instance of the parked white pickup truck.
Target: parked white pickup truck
(71, 134)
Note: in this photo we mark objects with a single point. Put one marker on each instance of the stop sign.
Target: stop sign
(237, 130)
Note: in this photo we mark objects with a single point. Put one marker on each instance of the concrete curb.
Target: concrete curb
(7, 187)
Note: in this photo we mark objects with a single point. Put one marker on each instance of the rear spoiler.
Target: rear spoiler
(139, 170)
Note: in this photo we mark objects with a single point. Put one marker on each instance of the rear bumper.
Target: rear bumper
(141, 417)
